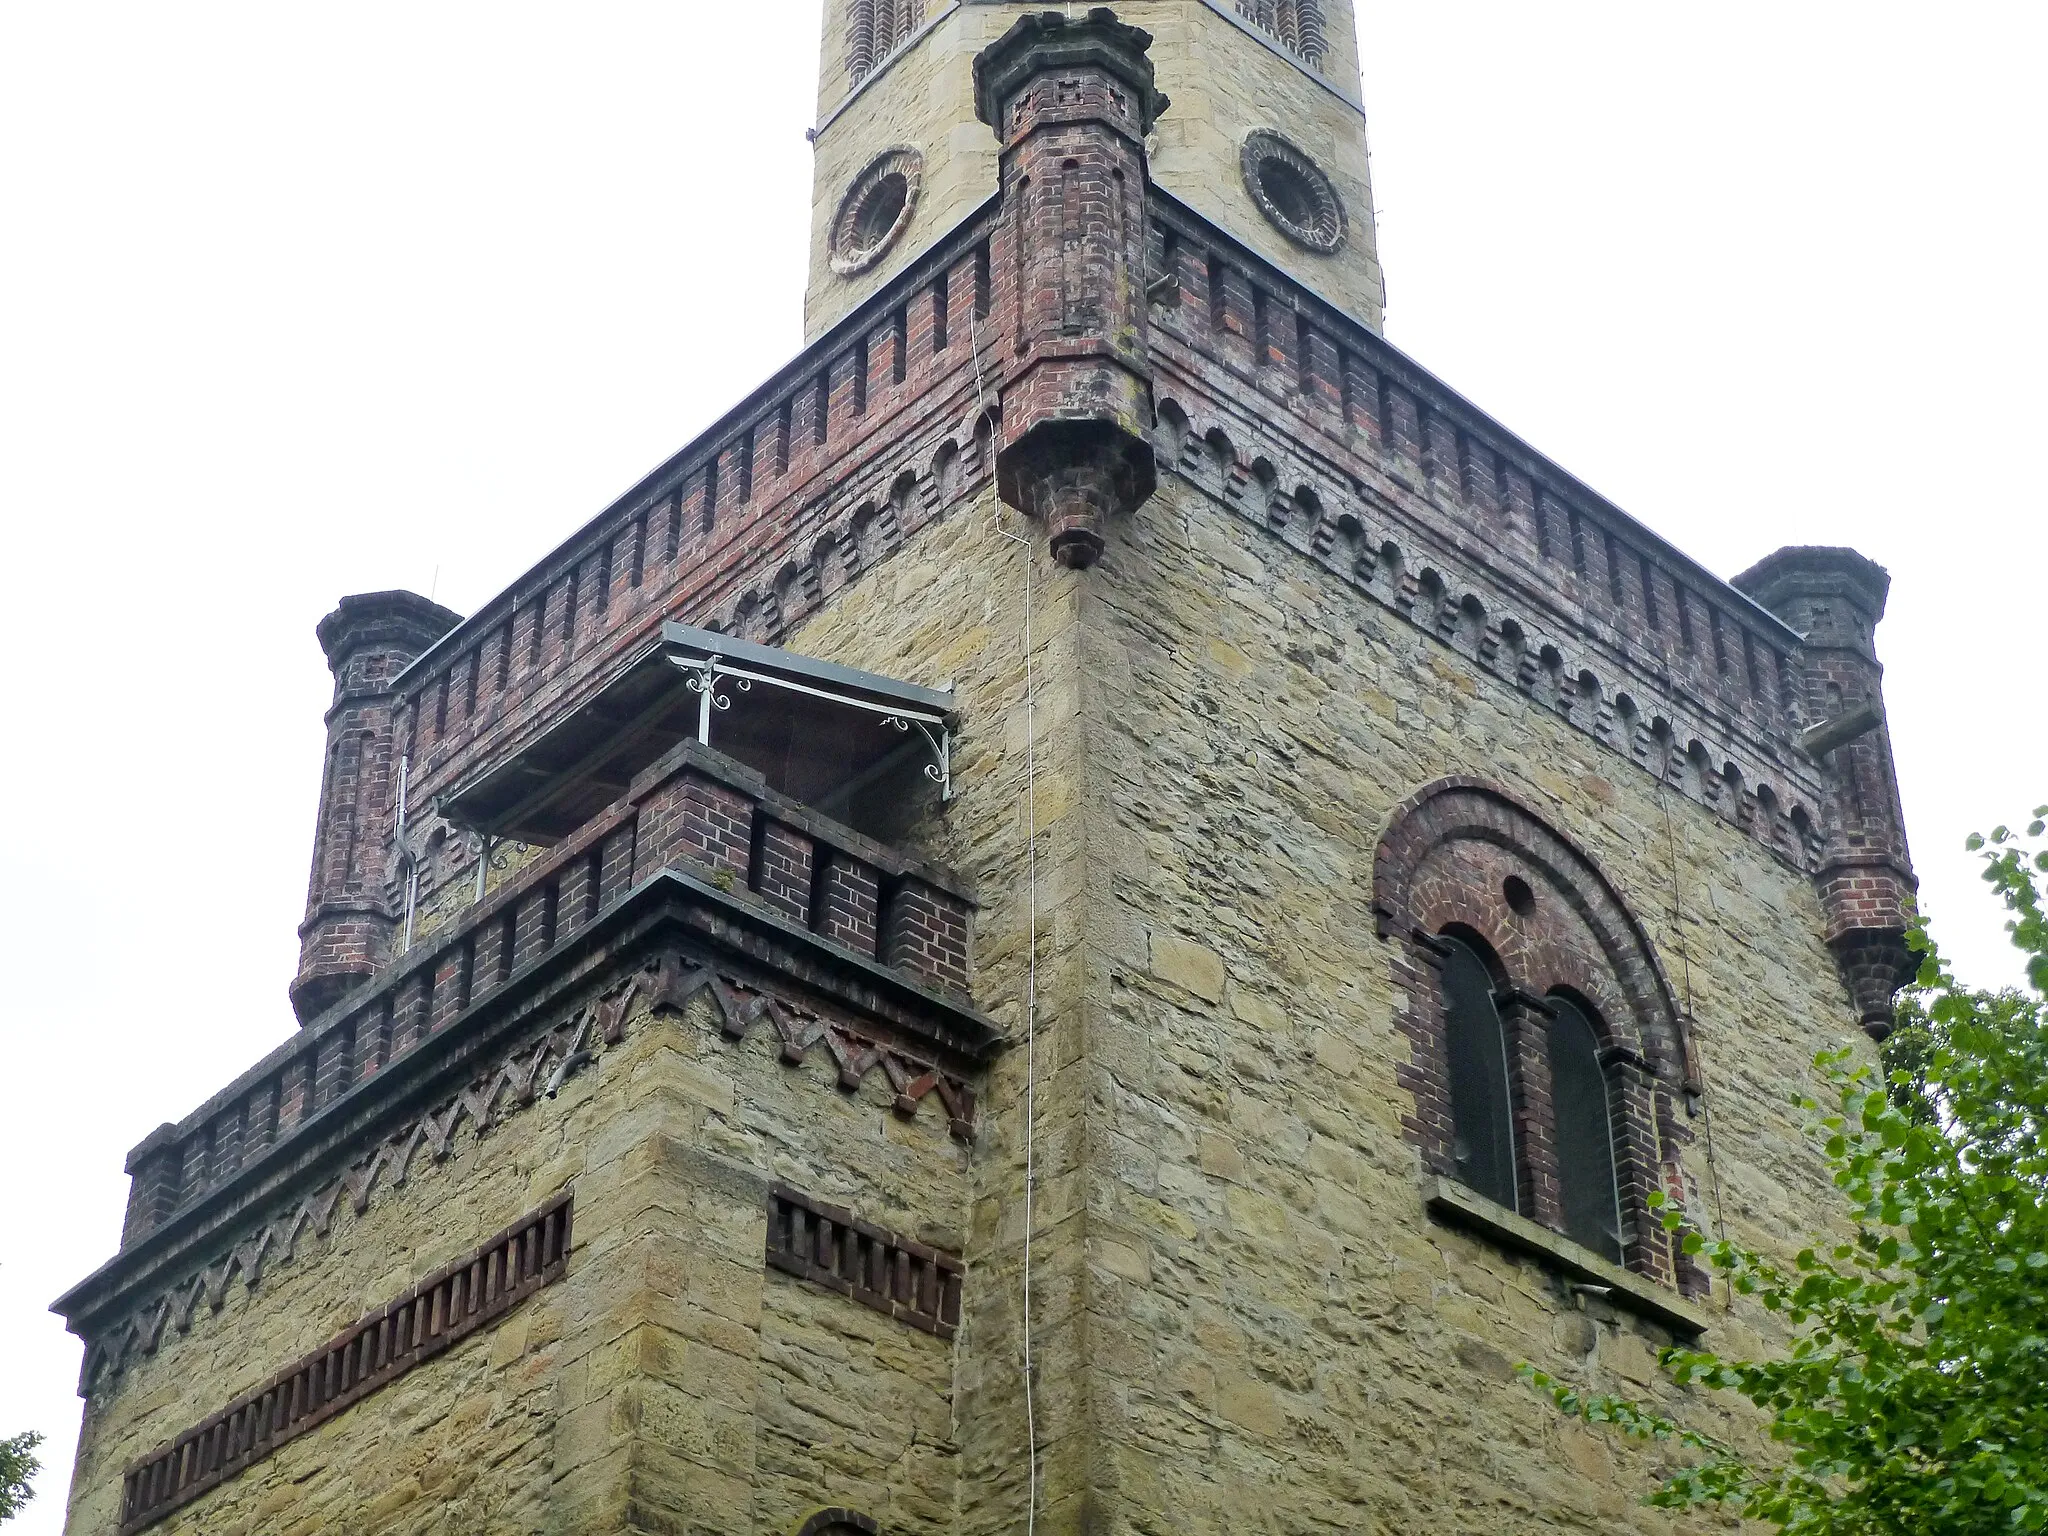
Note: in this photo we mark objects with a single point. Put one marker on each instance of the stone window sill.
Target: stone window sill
(1451, 1202)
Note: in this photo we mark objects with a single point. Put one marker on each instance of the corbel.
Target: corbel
(1819, 740)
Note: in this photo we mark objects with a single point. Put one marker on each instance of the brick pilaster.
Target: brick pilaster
(925, 930)
(849, 903)
(1526, 1022)
(783, 868)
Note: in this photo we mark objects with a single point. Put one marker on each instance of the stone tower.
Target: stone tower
(1266, 139)
(1089, 915)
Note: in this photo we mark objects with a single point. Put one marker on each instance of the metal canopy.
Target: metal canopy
(817, 731)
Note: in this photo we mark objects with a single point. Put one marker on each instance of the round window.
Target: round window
(875, 210)
(1292, 191)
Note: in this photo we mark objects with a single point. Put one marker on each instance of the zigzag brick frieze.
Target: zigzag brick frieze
(540, 1065)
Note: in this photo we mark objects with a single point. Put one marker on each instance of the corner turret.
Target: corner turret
(1835, 598)
(369, 639)
(1072, 102)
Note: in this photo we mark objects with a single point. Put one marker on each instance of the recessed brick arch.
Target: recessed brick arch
(839, 1522)
(1463, 856)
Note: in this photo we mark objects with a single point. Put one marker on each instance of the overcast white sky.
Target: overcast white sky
(302, 300)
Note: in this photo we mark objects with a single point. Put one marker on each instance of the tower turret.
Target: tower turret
(1835, 597)
(1072, 103)
(369, 639)
(1269, 140)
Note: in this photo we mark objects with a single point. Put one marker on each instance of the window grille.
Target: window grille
(890, 1273)
(1300, 26)
(875, 29)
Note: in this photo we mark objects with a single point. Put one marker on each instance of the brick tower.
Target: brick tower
(1090, 915)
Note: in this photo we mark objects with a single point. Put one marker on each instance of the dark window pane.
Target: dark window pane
(1483, 1133)
(1585, 1135)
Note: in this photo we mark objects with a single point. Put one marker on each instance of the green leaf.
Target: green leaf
(1904, 1392)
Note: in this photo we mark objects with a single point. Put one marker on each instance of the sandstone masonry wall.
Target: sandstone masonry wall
(1243, 1316)
(1175, 769)
(735, 1393)
(1285, 1318)
(1226, 76)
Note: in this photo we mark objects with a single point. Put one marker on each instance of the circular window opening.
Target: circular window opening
(1521, 899)
(1292, 191)
(1293, 198)
(875, 210)
(879, 209)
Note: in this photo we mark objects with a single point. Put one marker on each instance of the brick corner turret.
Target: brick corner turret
(369, 639)
(1072, 102)
(1834, 598)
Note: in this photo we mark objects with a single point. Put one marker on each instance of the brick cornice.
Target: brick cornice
(657, 482)
(672, 907)
(1337, 493)
(1389, 359)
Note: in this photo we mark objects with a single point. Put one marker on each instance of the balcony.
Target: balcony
(699, 845)
(854, 745)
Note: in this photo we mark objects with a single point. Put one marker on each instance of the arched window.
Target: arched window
(1476, 1045)
(1548, 1053)
(1298, 24)
(874, 28)
(1584, 1136)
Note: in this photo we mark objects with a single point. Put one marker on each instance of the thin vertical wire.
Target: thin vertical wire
(1685, 973)
(1031, 955)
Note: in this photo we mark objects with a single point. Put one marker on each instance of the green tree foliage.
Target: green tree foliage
(17, 1465)
(1913, 1400)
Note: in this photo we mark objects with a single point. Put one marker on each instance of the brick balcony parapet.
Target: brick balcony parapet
(872, 431)
(690, 817)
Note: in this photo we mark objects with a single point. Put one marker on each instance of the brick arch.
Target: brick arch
(839, 1522)
(1610, 959)
(1445, 863)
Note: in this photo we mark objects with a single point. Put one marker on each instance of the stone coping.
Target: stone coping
(1451, 1202)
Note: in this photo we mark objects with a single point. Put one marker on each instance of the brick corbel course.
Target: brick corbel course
(867, 1018)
